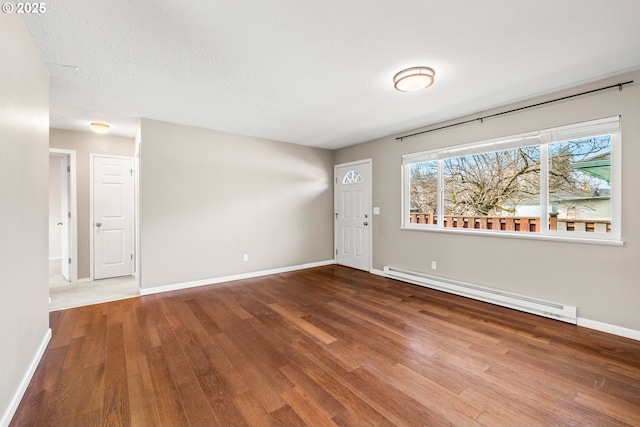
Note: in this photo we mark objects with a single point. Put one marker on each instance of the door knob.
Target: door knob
(98, 224)
(366, 223)
(59, 223)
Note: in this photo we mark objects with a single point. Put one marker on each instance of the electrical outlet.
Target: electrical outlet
(434, 265)
(245, 257)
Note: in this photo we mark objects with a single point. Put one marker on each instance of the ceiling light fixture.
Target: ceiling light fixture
(99, 127)
(414, 78)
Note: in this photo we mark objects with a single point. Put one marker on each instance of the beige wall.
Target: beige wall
(24, 166)
(209, 197)
(86, 143)
(603, 281)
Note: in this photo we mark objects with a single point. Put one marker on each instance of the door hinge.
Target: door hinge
(69, 214)
(68, 169)
(69, 260)
(131, 172)
(336, 215)
(336, 180)
(131, 257)
(336, 252)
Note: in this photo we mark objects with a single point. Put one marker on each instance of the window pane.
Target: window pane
(352, 177)
(423, 192)
(580, 185)
(499, 190)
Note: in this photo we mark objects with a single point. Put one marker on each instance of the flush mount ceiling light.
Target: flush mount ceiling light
(414, 78)
(99, 127)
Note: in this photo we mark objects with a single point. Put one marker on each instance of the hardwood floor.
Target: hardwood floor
(321, 347)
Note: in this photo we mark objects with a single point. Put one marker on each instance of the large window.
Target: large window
(553, 182)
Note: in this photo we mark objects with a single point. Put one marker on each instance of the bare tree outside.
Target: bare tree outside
(579, 174)
(491, 184)
(424, 187)
(497, 183)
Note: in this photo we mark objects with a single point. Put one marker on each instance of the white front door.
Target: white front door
(112, 217)
(65, 217)
(353, 214)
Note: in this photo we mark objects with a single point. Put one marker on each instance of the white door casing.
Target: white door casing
(352, 199)
(70, 224)
(112, 216)
(65, 217)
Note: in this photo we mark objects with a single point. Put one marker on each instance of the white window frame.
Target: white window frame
(542, 139)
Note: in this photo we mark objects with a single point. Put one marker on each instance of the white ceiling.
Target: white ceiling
(319, 73)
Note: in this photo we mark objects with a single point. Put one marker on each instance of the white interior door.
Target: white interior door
(353, 214)
(65, 213)
(112, 217)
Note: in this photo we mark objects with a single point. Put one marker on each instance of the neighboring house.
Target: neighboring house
(590, 203)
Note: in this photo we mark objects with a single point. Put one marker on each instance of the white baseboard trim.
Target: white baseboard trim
(212, 281)
(377, 272)
(610, 329)
(17, 397)
(86, 279)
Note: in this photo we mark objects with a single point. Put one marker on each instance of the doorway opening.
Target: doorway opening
(63, 248)
(67, 290)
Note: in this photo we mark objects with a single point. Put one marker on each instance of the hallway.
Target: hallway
(65, 295)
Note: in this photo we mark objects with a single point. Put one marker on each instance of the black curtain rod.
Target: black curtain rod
(481, 119)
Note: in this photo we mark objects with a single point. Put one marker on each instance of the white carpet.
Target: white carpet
(67, 295)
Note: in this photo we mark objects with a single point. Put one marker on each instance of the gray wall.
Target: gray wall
(209, 197)
(24, 173)
(86, 143)
(603, 281)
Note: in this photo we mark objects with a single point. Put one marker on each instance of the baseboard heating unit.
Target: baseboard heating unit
(553, 310)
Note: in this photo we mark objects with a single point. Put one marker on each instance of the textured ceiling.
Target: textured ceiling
(319, 73)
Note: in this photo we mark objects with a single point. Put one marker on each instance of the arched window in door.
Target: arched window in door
(352, 177)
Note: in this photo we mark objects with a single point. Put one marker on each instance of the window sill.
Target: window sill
(520, 235)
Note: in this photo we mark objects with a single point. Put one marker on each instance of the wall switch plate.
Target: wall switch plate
(434, 265)
(376, 210)
(245, 257)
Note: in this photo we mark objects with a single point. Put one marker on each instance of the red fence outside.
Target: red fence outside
(510, 223)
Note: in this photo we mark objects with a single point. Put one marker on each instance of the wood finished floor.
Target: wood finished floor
(321, 347)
